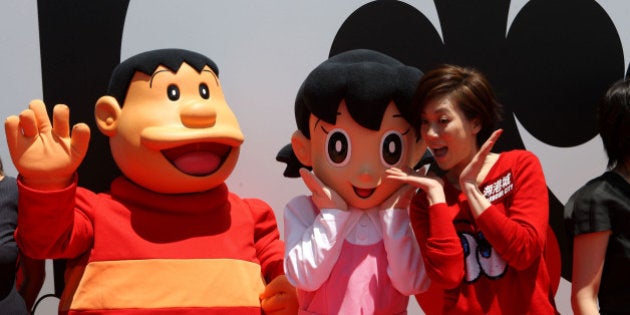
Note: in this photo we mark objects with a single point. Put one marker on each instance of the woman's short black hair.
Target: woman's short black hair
(613, 122)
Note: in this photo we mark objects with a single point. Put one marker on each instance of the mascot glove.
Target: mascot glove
(46, 154)
(279, 298)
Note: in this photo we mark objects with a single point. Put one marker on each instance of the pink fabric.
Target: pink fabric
(359, 267)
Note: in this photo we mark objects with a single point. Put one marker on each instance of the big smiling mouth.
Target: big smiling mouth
(198, 159)
(363, 193)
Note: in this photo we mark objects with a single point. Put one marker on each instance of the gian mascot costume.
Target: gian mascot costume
(169, 237)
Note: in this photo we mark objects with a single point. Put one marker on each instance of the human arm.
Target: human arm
(55, 224)
(33, 275)
(432, 223)
(518, 234)
(589, 252)
(269, 247)
(8, 247)
(519, 231)
(314, 238)
(469, 177)
(29, 273)
(440, 245)
(405, 266)
(279, 296)
(315, 228)
(47, 156)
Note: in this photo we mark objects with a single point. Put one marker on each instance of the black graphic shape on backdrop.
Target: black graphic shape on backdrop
(394, 28)
(80, 45)
(563, 59)
(549, 69)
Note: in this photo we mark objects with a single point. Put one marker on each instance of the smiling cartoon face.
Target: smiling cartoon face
(175, 132)
(352, 160)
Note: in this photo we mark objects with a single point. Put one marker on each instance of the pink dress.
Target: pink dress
(351, 262)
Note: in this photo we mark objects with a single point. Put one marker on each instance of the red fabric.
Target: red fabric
(179, 311)
(495, 264)
(132, 223)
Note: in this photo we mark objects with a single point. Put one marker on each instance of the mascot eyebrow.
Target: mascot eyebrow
(147, 62)
(216, 79)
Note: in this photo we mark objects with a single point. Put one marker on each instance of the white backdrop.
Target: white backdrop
(264, 50)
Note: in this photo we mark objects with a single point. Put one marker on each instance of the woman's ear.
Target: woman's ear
(106, 113)
(476, 125)
(301, 148)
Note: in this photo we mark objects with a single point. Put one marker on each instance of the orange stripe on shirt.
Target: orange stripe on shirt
(167, 283)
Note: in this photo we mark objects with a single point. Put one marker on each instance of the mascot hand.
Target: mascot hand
(323, 197)
(45, 154)
(279, 298)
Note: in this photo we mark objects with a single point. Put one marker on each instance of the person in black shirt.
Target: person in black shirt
(599, 217)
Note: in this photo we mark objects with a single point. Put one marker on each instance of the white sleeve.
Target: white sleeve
(313, 241)
(406, 267)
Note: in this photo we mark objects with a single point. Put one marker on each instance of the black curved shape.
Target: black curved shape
(80, 45)
(415, 41)
(560, 62)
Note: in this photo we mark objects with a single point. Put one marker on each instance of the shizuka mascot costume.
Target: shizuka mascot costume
(168, 238)
(349, 246)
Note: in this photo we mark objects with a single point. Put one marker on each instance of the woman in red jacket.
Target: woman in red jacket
(482, 224)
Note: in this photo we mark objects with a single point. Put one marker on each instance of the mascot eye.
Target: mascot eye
(338, 147)
(391, 148)
(172, 92)
(204, 91)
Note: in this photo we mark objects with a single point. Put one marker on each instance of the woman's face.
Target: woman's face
(449, 134)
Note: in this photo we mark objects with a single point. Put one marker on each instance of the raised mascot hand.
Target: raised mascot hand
(46, 155)
(323, 197)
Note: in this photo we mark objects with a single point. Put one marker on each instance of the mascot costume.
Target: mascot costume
(169, 237)
(349, 246)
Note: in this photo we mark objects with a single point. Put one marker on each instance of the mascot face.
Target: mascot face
(352, 160)
(175, 132)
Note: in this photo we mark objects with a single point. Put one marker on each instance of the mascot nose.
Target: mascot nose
(198, 115)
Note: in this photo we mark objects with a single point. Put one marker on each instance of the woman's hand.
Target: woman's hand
(470, 173)
(468, 178)
(400, 199)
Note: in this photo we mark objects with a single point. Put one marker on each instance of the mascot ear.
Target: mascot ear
(106, 113)
(301, 148)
